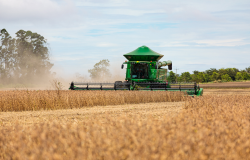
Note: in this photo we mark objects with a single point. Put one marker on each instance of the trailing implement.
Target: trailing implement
(144, 72)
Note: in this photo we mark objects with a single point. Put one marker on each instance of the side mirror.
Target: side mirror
(122, 66)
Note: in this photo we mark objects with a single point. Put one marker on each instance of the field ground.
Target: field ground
(226, 91)
(168, 109)
(224, 85)
(77, 115)
(214, 126)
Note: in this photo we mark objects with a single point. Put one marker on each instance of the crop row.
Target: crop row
(48, 100)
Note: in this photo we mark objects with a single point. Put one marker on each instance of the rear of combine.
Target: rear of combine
(144, 72)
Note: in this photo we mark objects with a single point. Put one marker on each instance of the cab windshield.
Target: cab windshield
(139, 71)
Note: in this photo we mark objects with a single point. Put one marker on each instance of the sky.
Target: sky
(193, 34)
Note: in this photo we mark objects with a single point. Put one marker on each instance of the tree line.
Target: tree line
(212, 75)
(24, 58)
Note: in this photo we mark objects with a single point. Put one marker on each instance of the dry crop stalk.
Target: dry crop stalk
(211, 127)
(47, 100)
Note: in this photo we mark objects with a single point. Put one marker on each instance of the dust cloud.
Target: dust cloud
(46, 80)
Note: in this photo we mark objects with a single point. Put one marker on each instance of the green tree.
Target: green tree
(239, 76)
(245, 76)
(198, 78)
(172, 76)
(100, 70)
(32, 55)
(232, 72)
(196, 72)
(226, 78)
(215, 76)
(201, 76)
(23, 58)
(207, 78)
(185, 77)
(211, 71)
(178, 78)
(221, 72)
(7, 56)
(248, 70)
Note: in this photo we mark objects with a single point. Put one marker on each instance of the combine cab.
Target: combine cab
(144, 72)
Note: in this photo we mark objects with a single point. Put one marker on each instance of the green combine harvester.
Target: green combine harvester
(144, 72)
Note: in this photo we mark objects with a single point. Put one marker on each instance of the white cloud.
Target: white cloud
(101, 3)
(173, 45)
(106, 44)
(225, 42)
(132, 12)
(34, 10)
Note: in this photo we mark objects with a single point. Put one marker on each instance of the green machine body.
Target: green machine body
(143, 65)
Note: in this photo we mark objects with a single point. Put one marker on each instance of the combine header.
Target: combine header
(143, 72)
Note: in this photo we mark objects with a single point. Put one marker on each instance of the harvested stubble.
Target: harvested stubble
(211, 127)
(36, 100)
(227, 91)
(227, 85)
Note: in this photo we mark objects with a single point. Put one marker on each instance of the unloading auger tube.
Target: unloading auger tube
(165, 63)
